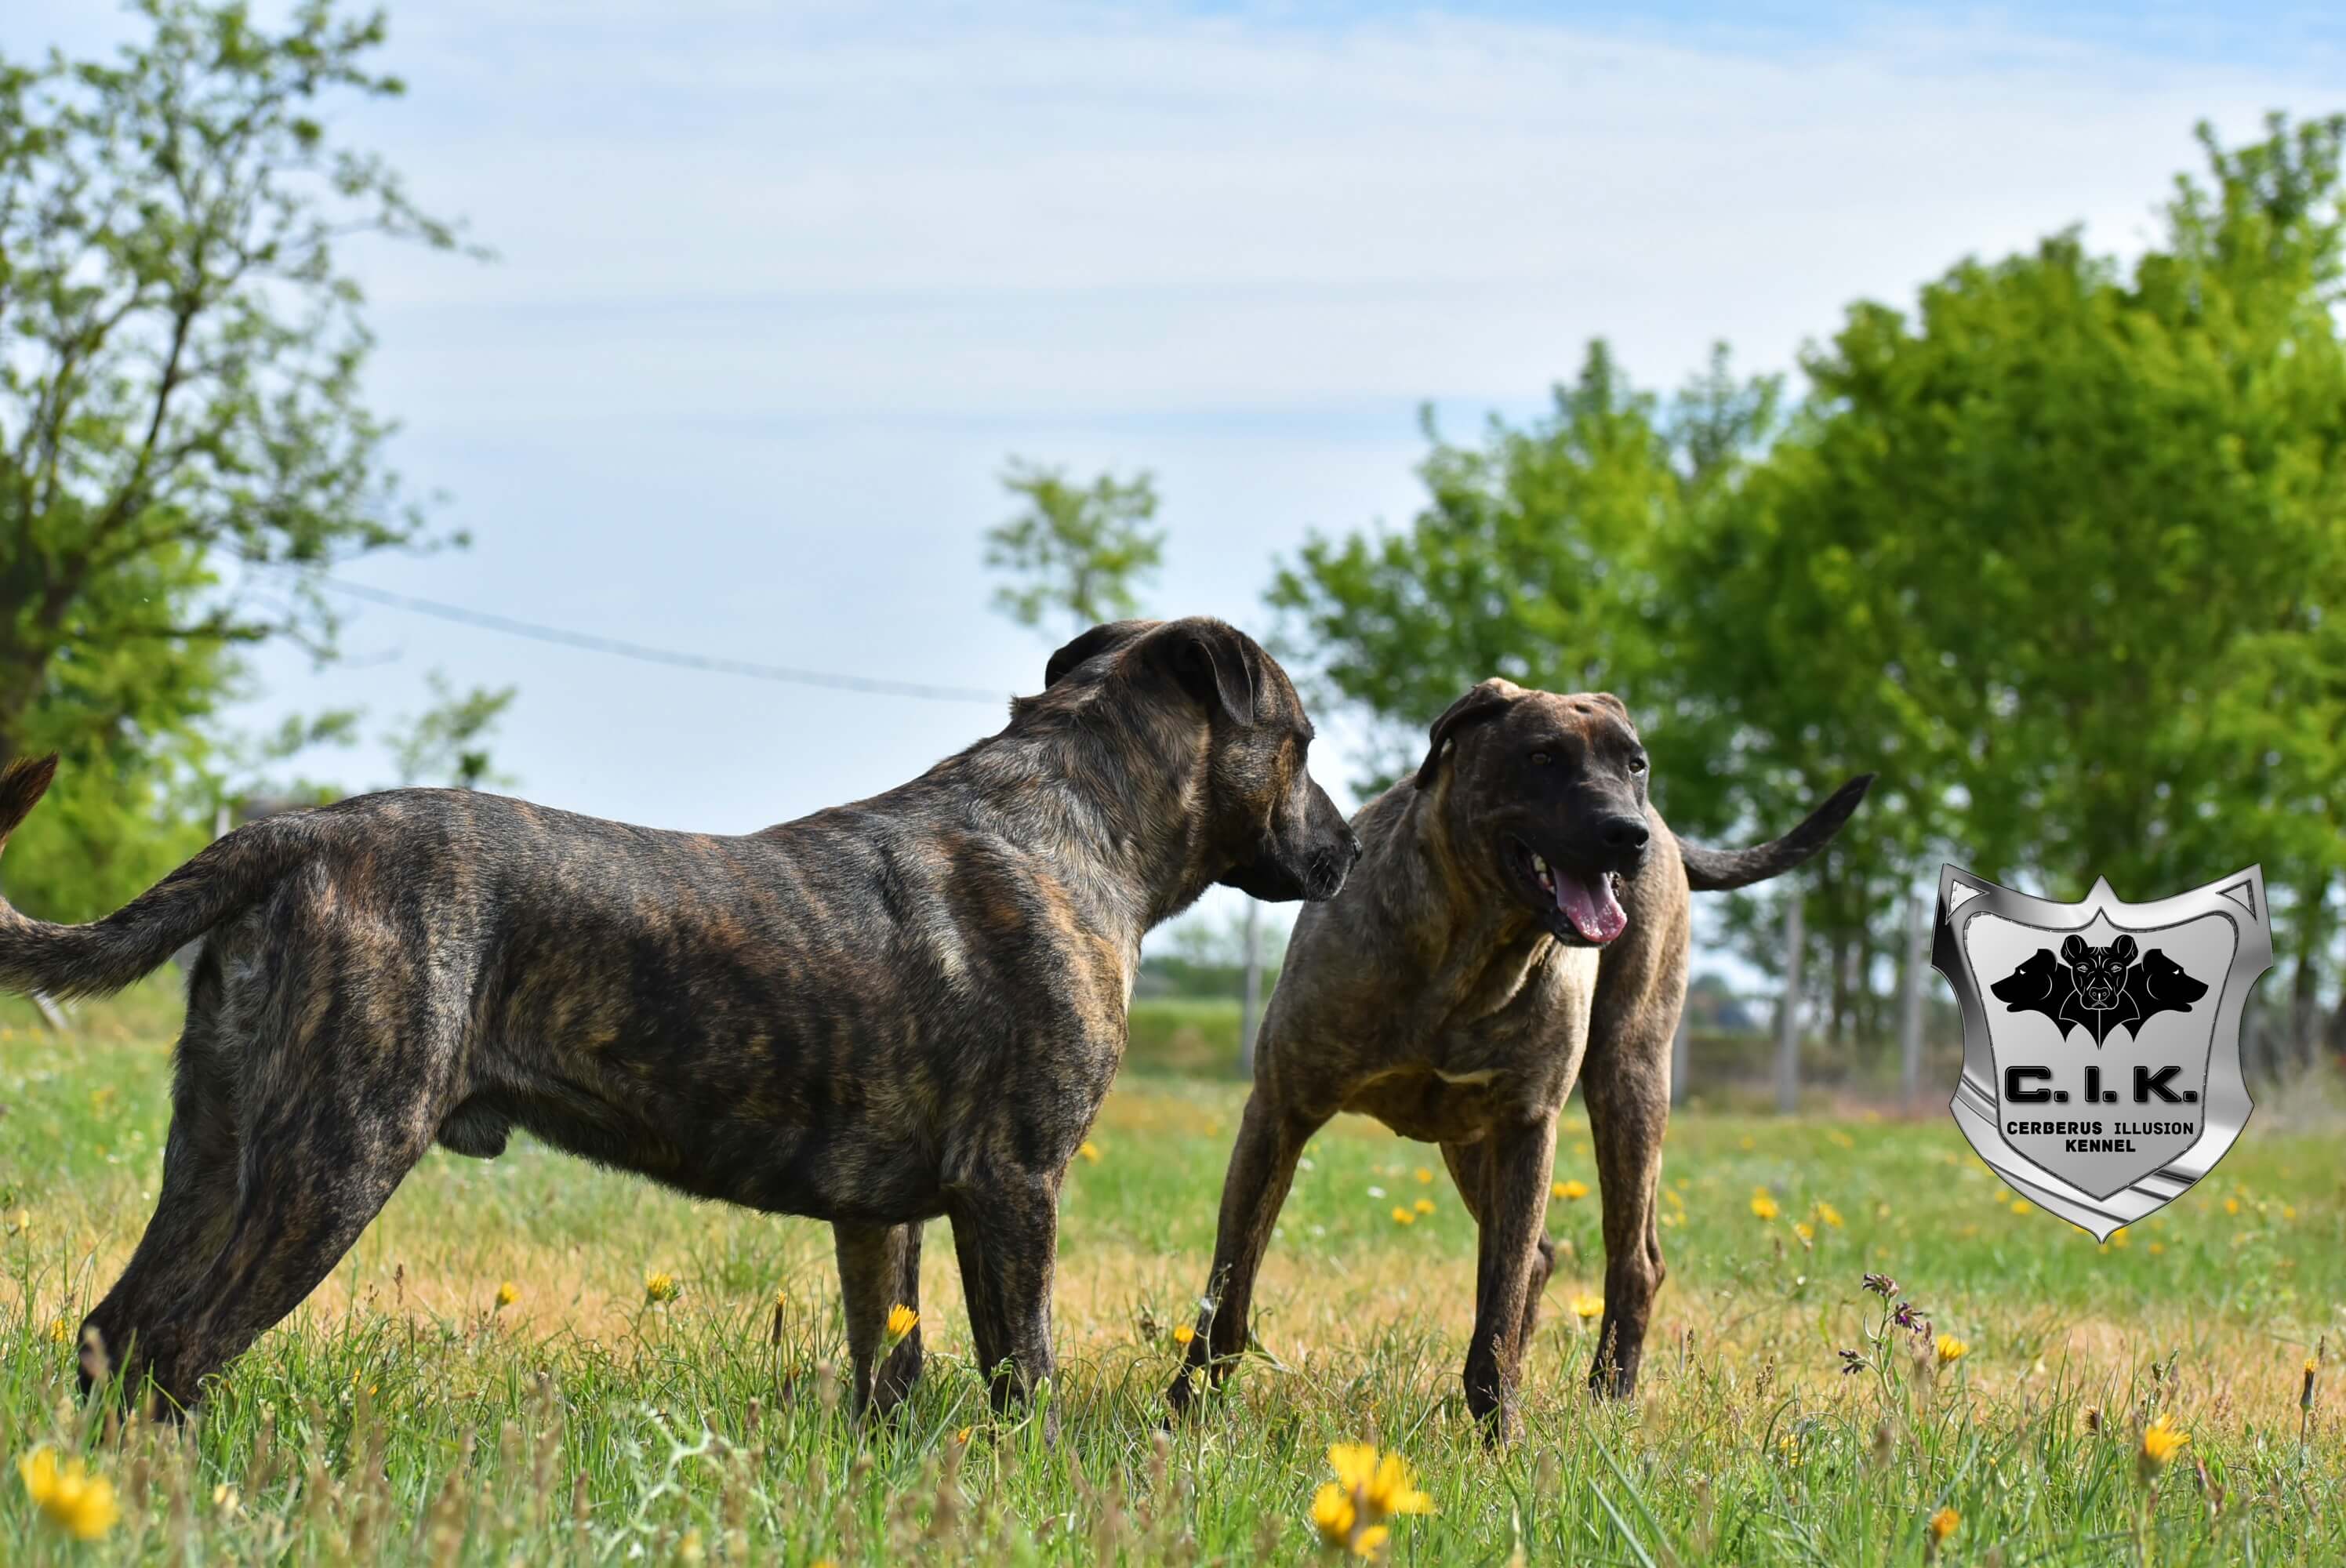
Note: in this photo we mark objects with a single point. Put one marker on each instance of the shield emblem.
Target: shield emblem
(2102, 1039)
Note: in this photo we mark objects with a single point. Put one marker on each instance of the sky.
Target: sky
(780, 289)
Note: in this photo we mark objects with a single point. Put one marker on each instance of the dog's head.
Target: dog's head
(1268, 828)
(1544, 799)
(2164, 980)
(2101, 971)
(2035, 981)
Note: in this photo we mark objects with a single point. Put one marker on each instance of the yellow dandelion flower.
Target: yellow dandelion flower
(2019, 1207)
(660, 1287)
(224, 1498)
(1952, 1349)
(1840, 1139)
(2288, 1211)
(1423, 1206)
(1403, 1215)
(60, 1333)
(1333, 1514)
(1747, 1142)
(901, 1320)
(2231, 1206)
(67, 1495)
(1424, 1177)
(1588, 1307)
(2120, 1239)
(1828, 1215)
(1570, 1191)
(507, 1294)
(963, 1436)
(1943, 1524)
(1763, 1206)
(1089, 1150)
(2161, 1441)
(1391, 1489)
(1183, 1333)
(1805, 1231)
(2156, 1247)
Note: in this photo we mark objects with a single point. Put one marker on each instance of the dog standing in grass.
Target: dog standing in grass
(1518, 921)
(907, 1007)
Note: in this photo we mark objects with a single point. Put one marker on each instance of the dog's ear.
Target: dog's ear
(1606, 700)
(2123, 948)
(1090, 646)
(1487, 701)
(2074, 950)
(1214, 661)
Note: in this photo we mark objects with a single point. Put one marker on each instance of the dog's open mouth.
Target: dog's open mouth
(1588, 904)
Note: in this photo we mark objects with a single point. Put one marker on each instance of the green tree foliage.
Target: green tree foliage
(1542, 554)
(2059, 553)
(1074, 550)
(183, 442)
(447, 744)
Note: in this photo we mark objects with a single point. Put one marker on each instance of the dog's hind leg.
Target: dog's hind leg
(341, 1095)
(1262, 1167)
(199, 1190)
(879, 1271)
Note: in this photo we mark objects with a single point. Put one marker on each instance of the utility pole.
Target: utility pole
(1788, 1014)
(1250, 1005)
(1910, 1002)
(1680, 1052)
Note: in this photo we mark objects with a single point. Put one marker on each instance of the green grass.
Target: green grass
(407, 1418)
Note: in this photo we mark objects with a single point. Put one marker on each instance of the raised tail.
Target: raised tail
(107, 954)
(1716, 870)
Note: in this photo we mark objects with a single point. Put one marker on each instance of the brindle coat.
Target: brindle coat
(1444, 994)
(906, 1007)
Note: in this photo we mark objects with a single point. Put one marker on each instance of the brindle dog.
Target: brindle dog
(907, 1007)
(1453, 990)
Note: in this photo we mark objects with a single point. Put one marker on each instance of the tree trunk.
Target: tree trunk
(1787, 1011)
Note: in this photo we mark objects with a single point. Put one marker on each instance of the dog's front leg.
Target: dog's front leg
(1514, 1218)
(879, 1271)
(1006, 1237)
(1629, 1098)
(1262, 1167)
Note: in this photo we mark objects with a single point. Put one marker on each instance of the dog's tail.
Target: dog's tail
(107, 954)
(1716, 870)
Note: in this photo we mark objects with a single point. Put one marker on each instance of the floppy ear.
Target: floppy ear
(1090, 646)
(1607, 700)
(1214, 662)
(2074, 950)
(1485, 701)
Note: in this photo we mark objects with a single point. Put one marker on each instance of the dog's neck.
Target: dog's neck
(1469, 935)
(1109, 817)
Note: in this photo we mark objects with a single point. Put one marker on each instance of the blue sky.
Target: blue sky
(781, 286)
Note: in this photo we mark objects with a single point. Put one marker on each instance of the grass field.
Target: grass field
(405, 1415)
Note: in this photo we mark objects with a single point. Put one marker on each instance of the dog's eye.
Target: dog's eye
(1637, 764)
(1539, 758)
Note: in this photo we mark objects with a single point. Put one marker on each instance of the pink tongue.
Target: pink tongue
(1591, 907)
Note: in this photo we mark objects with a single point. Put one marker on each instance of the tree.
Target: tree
(1541, 554)
(184, 448)
(2058, 554)
(1075, 550)
(447, 744)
